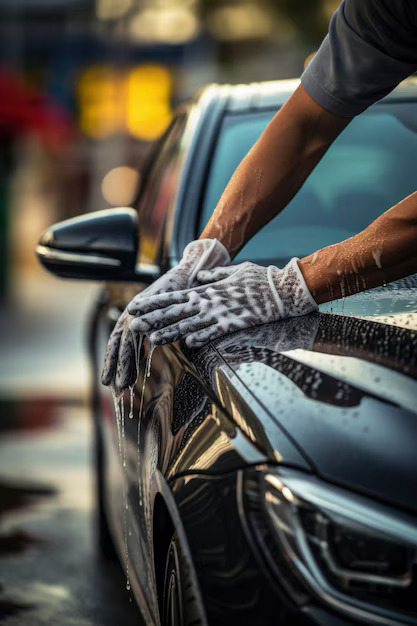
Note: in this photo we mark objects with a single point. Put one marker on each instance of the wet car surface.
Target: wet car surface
(270, 476)
(50, 569)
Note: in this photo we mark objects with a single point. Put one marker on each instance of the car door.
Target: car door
(146, 430)
(126, 512)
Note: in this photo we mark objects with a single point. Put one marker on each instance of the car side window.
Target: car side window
(159, 193)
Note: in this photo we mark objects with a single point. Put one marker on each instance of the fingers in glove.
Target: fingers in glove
(180, 329)
(140, 306)
(201, 337)
(163, 317)
(126, 364)
(112, 351)
(222, 325)
(218, 273)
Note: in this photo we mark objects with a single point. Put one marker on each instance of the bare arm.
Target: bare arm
(385, 251)
(271, 174)
(273, 170)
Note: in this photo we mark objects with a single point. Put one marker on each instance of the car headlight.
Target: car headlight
(352, 554)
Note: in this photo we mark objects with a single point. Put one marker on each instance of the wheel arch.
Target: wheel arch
(163, 529)
(167, 521)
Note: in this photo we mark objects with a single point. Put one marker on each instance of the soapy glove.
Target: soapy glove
(281, 336)
(120, 363)
(229, 299)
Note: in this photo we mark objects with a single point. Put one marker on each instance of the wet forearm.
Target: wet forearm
(385, 251)
(273, 171)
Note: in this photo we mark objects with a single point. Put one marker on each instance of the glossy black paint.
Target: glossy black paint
(366, 408)
(319, 394)
(99, 245)
(232, 581)
(209, 413)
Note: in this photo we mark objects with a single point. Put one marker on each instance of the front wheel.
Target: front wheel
(179, 601)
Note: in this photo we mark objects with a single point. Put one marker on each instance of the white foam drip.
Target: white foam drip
(142, 397)
(137, 339)
(149, 360)
(116, 400)
(132, 398)
(122, 423)
(138, 440)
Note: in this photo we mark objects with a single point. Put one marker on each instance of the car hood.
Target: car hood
(344, 390)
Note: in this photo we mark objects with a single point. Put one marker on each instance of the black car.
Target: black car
(271, 476)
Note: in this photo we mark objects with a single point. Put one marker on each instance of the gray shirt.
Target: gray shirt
(371, 46)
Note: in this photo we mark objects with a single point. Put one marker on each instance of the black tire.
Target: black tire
(179, 601)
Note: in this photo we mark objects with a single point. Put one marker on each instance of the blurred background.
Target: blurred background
(86, 88)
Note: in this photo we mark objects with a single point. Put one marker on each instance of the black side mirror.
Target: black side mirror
(102, 245)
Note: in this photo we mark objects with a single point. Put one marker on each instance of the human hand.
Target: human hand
(121, 358)
(283, 335)
(230, 299)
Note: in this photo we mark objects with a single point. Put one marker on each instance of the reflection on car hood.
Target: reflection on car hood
(344, 389)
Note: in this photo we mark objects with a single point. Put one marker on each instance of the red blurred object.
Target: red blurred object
(26, 110)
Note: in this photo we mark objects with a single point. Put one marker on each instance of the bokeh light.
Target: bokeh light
(120, 186)
(172, 24)
(112, 9)
(149, 109)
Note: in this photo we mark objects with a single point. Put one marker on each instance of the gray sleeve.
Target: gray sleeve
(349, 73)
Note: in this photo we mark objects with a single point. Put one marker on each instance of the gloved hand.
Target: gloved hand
(230, 299)
(120, 360)
(281, 336)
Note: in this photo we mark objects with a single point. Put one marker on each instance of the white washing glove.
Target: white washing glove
(230, 298)
(281, 336)
(121, 358)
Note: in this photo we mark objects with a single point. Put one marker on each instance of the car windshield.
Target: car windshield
(369, 168)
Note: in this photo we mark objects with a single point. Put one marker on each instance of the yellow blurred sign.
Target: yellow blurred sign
(137, 101)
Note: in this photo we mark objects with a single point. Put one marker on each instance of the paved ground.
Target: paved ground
(50, 572)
